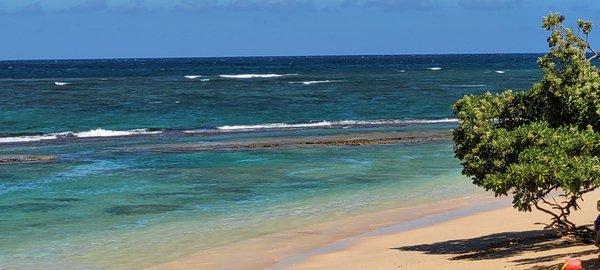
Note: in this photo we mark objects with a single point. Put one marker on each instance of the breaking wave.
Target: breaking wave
(96, 133)
(252, 76)
(314, 82)
(336, 124)
(99, 133)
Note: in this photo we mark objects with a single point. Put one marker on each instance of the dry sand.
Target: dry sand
(467, 233)
(498, 239)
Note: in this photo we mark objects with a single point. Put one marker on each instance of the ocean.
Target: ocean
(159, 158)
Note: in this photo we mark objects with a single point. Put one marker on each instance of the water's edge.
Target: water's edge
(282, 250)
(421, 222)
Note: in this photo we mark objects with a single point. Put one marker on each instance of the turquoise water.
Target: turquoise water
(82, 208)
(127, 190)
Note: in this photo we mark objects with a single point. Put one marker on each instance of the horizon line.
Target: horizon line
(265, 56)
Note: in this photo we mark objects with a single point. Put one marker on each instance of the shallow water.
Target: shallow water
(128, 190)
(98, 209)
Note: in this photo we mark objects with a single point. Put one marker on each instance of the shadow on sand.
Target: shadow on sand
(507, 245)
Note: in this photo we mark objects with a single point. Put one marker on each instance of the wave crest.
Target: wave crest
(314, 82)
(95, 133)
(252, 76)
(99, 133)
(113, 133)
(336, 124)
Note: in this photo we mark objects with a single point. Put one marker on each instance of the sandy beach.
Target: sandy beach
(497, 239)
(467, 233)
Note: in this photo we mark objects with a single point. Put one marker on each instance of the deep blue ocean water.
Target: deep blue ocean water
(110, 192)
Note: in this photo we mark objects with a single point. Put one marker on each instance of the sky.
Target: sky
(67, 29)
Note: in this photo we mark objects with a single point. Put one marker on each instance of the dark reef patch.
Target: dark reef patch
(66, 199)
(157, 195)
(9, 159)
(32, 207)
(141, 209)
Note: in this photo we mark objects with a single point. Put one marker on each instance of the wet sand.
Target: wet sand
(282, 250)
(478, 232)
(498, 239)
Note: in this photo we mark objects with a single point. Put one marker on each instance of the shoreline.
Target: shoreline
(498, 239)
(283, 250)
(425, 221)
(471, 232)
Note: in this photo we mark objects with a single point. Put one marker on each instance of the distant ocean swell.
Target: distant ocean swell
(251, 76)
(206, 78)
(98, 133)
(315, 82)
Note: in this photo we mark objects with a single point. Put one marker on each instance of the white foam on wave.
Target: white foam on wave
(113, 133)
(500, 71)
(96, 133)
(434, 68)
(192, 77)
(342, 123)
(34, 138)
(251, 76)
(60, 83)
(204, 80)
(276, 126)
(315, 82)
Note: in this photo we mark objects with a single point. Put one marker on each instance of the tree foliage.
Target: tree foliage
(540, 146)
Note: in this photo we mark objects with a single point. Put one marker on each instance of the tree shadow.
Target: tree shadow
(501, 245)
(554, 257)
(587, 264)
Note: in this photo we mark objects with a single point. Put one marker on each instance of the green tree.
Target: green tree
(540, 146)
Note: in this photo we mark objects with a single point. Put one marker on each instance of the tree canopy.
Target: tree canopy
(542, 145)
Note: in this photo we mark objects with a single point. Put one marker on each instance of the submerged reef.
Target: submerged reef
(8, 159)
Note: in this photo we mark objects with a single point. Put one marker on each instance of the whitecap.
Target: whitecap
(315, 82)
(60, 83)
(434, 68)
(337, 124)
(276, 126)
(84, 134)
(192, 77)
(500, 71)
(113, 133)
(35, 138)
(251, 76)
(204, 80)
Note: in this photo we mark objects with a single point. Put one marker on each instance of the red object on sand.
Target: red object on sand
(572, 264)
